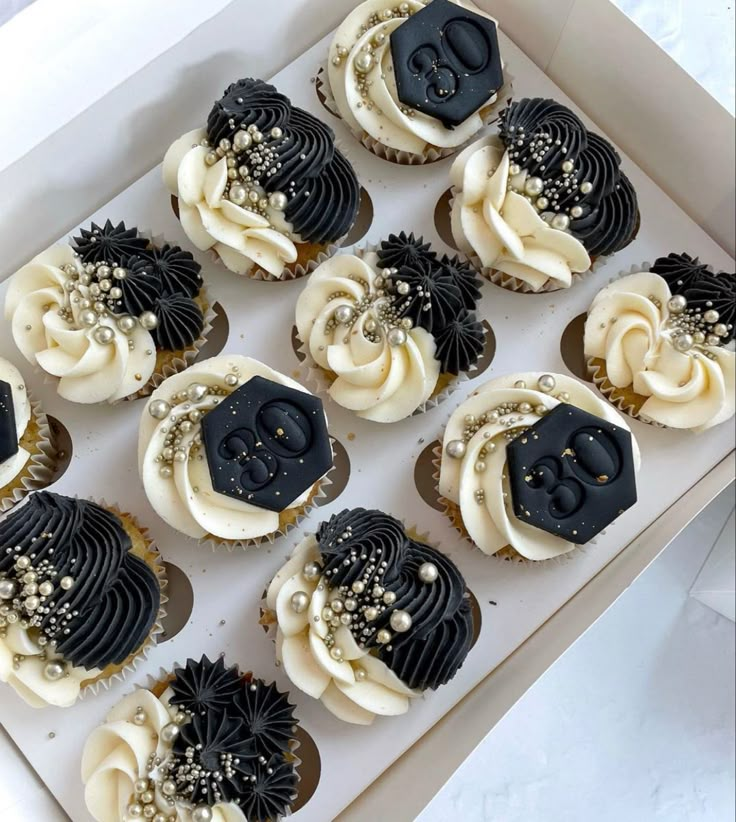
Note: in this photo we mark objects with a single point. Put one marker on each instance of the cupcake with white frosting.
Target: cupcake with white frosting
(660, 343)
(27, 452)
(415, 81)
(368, 617)
(262, 185)
(80, 597)
(391, 332)
(536, 205)
(534, 465)
(110, 315)
(233, 452)
(204, 744)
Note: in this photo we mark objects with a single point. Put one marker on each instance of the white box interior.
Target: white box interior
(527, 329)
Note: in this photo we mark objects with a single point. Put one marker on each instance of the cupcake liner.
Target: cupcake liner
(431, 154)
(153, 560)
(294, 517)
(510, 283)
(38, 471)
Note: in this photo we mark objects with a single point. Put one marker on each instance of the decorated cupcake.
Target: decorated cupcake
(262, 185)
(204, 744)
(80, 597)
(534, 465)
(659, 343)
(232, 451)
(415, 81)
(391, 331)
(536, 205)
(27, 452)
(368, 617)
(110, 315)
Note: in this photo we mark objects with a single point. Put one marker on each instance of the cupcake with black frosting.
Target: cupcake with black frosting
(262, 185)
(80, 597)
(109, 315)
(391, 331)
(537, 204)
(28, 455)
(415, 81)
(204, 744)
(368, 616)
(659, 343)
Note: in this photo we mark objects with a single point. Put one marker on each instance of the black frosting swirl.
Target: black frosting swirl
(431, 652)
(141, 287)
(718, 292)
(112, 244)
(271, 790)
(296, 157)
(110, 608)
(180, 322)
(204, 686)
(400, 250)
(177, 269)
(433, 299)
(460, 344)
(679, 271)
(465, 278)
(268, 716)
(541, 135)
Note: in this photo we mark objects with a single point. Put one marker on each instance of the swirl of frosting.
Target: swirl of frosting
(78, 599)
(177, 269)
(496, 223)
(112, 244)
(247, 102)
(180, 322)
(378, 380)
(613, 224)
(716, 292)
(268, 716)
(688, 380)
(365, 632)
(47, 328)
(140, 287)
(204, 685)
(372, 106)
(679, 271)
(184, 496)
(508, 404)
(432, 298)
(460, 343)
(465, 278)
(399, 250)
(15, 418)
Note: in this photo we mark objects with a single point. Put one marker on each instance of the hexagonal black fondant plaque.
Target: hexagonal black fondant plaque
(8, 434)
(446, 62)
(266, 444)
(572, 474)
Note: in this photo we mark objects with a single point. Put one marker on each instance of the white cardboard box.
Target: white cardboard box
(579, 45)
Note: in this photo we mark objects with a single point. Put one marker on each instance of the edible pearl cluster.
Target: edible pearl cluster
(183, 413)
(366, 60)
(92, 288)
(551, 196)
(27, 597)
(691, 327)
(251, 157)
(357, 607)
(384, 320)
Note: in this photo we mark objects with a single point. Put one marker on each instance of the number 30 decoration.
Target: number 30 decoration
(446, 62)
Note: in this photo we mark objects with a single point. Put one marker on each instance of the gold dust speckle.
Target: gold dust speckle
(138, 377)
(351, 436)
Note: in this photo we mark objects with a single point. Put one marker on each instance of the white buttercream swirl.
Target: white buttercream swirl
(626, 328)
(27, 678)
(380, 114)
(186, 500)
(117, 755)
(491, 220)
(377, 380)
(88, 371)
(241, 238)
(11, 467)
(356, 689)
(491, 522)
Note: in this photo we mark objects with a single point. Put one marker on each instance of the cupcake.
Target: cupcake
(391, 331)
(415, 81)
(204, 744)
(262, 185)
(27, 452)
(232, 451)
(80, 597)
(110, 315)
(537, 204)
(659, 343)
(534, 465)
(368, 617)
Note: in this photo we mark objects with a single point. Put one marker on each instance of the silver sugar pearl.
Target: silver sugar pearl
(149, 320)
(202, 813)
(278, 201)
(561, 222)
(396, 337)
(534, 186)
(547, 383)
(383, 636)
(312, 571)
(389, 598)
(455, 449)
(197, 391)
(344, 314)
(400, 621)
(677, 304)
(159, 409)
(711, 316)
(54, 670)
(8, 588)
(170, 732)
(66, 582)
(428, 572)
(88, 318)
(684, 342)
(300, 602)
